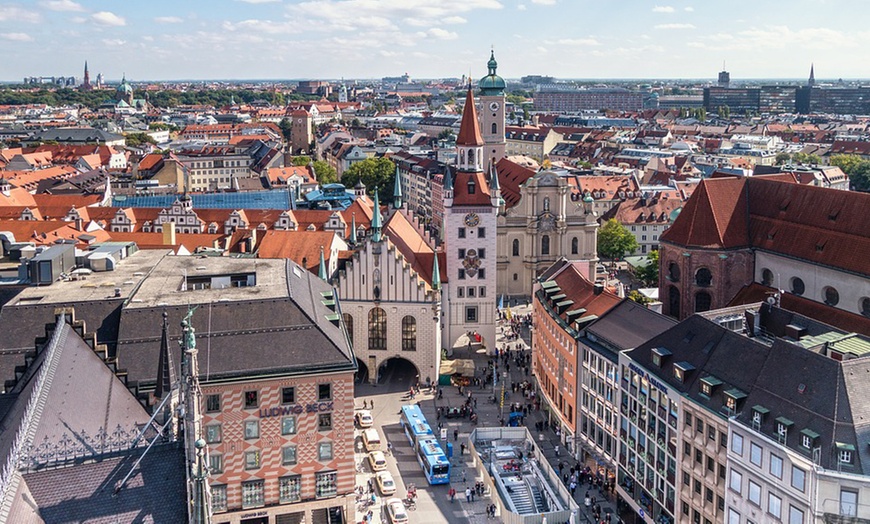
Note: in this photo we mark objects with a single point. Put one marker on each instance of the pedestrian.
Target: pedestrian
(462, 449)
(455, 435)
(467, 494)
(372, 404)
(472, 494)
(587, 502)
(557, 450)
(451, 493)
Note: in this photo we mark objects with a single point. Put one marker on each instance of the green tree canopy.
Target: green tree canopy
(649, 274)
(302, 160)
(782, 158)
(614, 241)
(374, 173)
(804, 158)
(848, 163)
(639, 297)
(324, 172)
(138, 139)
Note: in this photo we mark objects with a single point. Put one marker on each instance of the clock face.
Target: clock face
(493, 106)
(471, 220)
(300, 120)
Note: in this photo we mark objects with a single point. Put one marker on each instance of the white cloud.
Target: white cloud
(544, 2)
(62, 5)
(663, 9)
(454, 20)
(114, 42)
(578, 41)
(674, 26)
(168, 20)
(521, 7)
(688, 9)
(442, 34)
(17, 37)
(260, 1)
(11, 13)
(108, 18)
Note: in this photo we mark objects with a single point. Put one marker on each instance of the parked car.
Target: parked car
(386, 484)
(377, 461)
(364, 419)
(396, 511)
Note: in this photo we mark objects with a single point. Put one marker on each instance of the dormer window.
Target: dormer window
(659, 355)
(845, 452)
(471, 186)
(758, 414)
(709, 384)
(732, 399)
(782, 426)
(808, 438)
(681, 369)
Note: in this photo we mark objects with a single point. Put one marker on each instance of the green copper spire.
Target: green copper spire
(353, 228)
(397, 191)
(493, 178)
(448, 179)
(322, 271)
(436, 273)
(376, 219)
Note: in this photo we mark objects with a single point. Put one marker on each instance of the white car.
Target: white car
(396, 511)
(386, 484)
(364, 419)
(377, 461)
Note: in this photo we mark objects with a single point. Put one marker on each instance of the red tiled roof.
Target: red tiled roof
(830, 315)
(461, 196)
(302, 247)
(469, 130)
(577, 288)
(715, 216)
(409, 240)
(510, 177)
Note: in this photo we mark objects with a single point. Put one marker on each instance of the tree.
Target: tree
(374, 173)
(639, 297)
(614, 241)
(848, 163)
(138, 139)
(445, 134)
(286, 128)
(649, 274)
(859, 179)
(804, 158)
(782, 158)
(325, 173)
(301, 160)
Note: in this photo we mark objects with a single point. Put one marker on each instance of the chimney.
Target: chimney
(598, 288)
(169, 234)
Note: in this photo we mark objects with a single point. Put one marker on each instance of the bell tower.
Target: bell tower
(492, 112)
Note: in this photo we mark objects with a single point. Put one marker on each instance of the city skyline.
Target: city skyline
(275, 39)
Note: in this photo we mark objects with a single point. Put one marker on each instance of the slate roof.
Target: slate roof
(83, 493)
(628, 325)
(76, 134)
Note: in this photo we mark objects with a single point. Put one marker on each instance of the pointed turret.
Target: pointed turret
(201, 511)
(397, 191)
(376, 219)
(812, 80)
(321, 272)
(353, 228)
(469, 129)
(448, 179)
(436, 273)
(164, 379)
(493, 179)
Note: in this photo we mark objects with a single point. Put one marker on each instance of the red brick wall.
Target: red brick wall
(551, 363)
(731, 270)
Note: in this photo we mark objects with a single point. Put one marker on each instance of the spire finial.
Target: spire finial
(376, 219)
(321, 272)
(436, 273)
(353, 228)
(397, 190)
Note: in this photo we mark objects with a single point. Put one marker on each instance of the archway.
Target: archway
(362, 372)
(399, 374)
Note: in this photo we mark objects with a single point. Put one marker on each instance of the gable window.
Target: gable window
(845, 452)
(659, 355)
(708, 384)
(681, 369)
(808, 438)
(377, 328)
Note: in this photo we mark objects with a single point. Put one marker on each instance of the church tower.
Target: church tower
(492, 117)
(470, 213)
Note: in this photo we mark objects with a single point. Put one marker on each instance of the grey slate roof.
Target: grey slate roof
(76, 134)
(628, 325)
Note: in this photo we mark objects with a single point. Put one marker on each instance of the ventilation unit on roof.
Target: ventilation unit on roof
(802, 388)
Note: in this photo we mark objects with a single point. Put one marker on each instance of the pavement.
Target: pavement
(433, 505)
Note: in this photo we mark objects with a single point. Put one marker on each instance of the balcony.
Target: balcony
(836, 512)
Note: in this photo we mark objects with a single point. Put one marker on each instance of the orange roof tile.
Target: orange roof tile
(461, 196)
(469, 130)
(302, 247)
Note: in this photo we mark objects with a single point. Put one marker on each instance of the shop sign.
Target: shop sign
(652, 380)
(296, 409)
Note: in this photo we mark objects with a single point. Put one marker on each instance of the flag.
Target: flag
(501, 302)
(508, 314)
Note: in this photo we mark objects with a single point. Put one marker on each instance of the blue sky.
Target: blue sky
(238, 39)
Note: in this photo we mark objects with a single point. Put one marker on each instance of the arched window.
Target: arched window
(516, 247)
(471, 156)
(703, 277)
(377, 328)
(348, 325)
(409, 333)
(575, 246)
(674, 272)
(865, 306)
(545, 245)
(546, 203)
(494, 128)
(766, 277)
(674, 301)
(703, 301)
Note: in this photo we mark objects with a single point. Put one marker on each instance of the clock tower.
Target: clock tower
(471, 202)
(492, 112)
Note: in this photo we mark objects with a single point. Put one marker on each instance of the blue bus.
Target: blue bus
(434, 462)
(414, 424)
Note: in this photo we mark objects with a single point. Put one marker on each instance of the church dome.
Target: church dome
(492, 84)
(125, 88)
